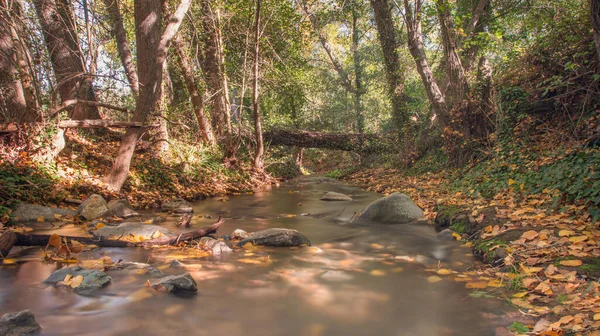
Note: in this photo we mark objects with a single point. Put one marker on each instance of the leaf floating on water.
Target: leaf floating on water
(571, 263)
(522, 303)
(140, 294)
(520, 294)
(377, 246)
(495, 283)
(173, 309)
(9, 261)
(377, 273)
(40, 219)
(434, 279)
(397, 270)
(477, 284)
(443, 271)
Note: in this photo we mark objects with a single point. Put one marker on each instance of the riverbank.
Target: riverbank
(545, 259)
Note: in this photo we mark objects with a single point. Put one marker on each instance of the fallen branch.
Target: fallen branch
(55, 110)
(174, 240)
(91, 123)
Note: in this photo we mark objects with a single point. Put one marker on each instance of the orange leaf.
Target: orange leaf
(55, 240)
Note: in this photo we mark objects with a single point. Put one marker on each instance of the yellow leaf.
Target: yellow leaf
(443, 271)
(572, 263)
(149, 221)
(377, 273)
(397, 270)
(565, 233)
(376, 246)
(511, 182)
(40, 219)
(76, 281)
(76, 247)
(521, 186)
(578, 239)
(99, 226)
(140, 294)
(597, 317)
(157, 234)
(520, 294)
(456, 236)
(55, 240)
(9, 261)
(522, 303)
(57, 216)
(434, 279)
(495, 283)
(68, 278)
(477, 284)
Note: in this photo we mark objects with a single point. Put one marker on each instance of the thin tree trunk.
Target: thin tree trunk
(258, 155)
(58, 25)
(161, 134)
(417, 51)
(192, 86)
(394, 70)
(12, 97)
(595, 12)
(358, 85)
(118, 30)
(152, 49)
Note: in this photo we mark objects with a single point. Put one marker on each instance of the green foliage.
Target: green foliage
(518, 327)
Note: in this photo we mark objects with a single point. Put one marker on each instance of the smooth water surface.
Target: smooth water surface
(356, 279)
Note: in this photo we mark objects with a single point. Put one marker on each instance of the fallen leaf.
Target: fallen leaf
(40, 219)
(55, 240)
(377, 273)
(443, 271)
(530, 235)
(565, 233)
(434, 279)
(76, 281)
(9, 261)
(477, 284)
(578, 239)
(571, 263)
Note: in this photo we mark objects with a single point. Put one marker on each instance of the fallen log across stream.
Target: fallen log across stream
(29, 239)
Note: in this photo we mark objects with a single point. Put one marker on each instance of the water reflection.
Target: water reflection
(355, 280)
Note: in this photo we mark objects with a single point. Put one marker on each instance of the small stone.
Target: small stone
(215, 246)
(178, 205)
(276, 237)
(92, 279)
(121, 208)
(22, 323)
(176, 283)
(333, 196)
(93, 207)
(446, 235)
(238, 234)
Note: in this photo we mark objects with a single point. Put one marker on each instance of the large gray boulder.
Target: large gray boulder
(22, 323)
(178, 205)
(276, 237)
(333, 196)
(92, 279)
(121, 208)
(93, 207)
(176, 283)
(396, 208)
(32, 212)
(145, 231)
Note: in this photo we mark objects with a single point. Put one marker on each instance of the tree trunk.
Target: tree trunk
(358, 85)
(58, 25)
(417, 51)
(394, 70)
(118, 30)
(7, 240)
(12, 97)
(196, 96)
(214, 70)
(161, 133)
(258, 154)
(152, 51)
(595, 12)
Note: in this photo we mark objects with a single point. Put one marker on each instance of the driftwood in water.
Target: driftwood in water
(354, 142)
(7, 240)
(42, 239)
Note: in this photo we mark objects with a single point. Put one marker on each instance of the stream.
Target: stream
(353, 280)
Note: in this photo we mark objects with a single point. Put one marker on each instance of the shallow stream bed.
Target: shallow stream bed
(354, 280)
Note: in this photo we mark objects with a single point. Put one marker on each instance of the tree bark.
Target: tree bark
(417, 50)
(258, 154)
(595, 12)
(58, 25)
(194, 92)
(358, 84)
(7, 240)
(89, 123)
(118, 30)
(12, 97)
(394, 70)
(152, 49)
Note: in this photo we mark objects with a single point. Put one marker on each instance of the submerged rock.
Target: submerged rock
(333, 196)
(22, 323)
(93, 207)
(32, 213)
(140, 268)
(215, 246)
(276, 237)
(176, 283)
(445, 234)
(178, 205)
(396, 208)
(92, 279)
(121, 208)
(238, 234)
(145, 231)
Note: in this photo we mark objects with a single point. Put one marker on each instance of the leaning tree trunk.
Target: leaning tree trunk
(58, 25)
(258, 154)
(12, 97)
(152, 48)
(394, 70)
(118, 30)
(194, 92)
(595, 11)
(417, 51)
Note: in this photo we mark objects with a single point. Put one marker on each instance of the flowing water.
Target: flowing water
(354, 280)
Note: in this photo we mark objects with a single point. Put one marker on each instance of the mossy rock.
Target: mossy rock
(459, 219)
(491, 251)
